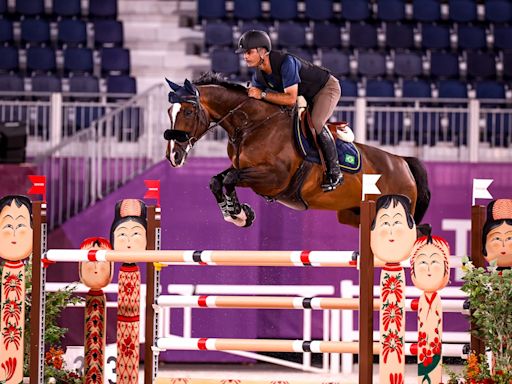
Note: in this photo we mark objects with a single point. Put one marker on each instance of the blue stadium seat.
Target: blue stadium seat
(78, 60)
(498, 11)
(426, 10)
(489, 89)
(408, 64)
(302, 53)
(247, 9)
(35, 31)
(481, 65)
(71, 33)
(29, 7)
(435, 36)
(128, 124)
(507, 64)
(9, 59)
(326, 35)
(319, 10)
(84, 84)
(121, 84)
(3, 7)
(218, 33)
(41, 60)
(211, 9)
(348, 88)
(100, 9)
(502, 37)
(66, 8)
(335, 61)
(6, 36)
(11, 83)
(248, 25)
(225, 61)
(108, 33)
(379, 88)
(355, 10)
(391, 10)
(416, 88)
(115, 61)
(84, 116)
(371, 64)
(399, 36)
(471, 37)
(46, 83)
(452, 89)
(283, 9)
(291, 34)
(363, 35)
(462, 11)
(444, 65)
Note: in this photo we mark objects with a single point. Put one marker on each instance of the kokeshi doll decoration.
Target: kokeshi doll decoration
(497, 233)
(128, 232)
(430, 272)
(392, 237)
(95, 275)
(16, 237)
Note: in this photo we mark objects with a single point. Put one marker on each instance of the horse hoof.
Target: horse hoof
(249, 212)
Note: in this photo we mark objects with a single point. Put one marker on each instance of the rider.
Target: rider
(289, 76)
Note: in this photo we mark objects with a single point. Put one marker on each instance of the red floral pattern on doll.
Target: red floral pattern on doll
(396, 378)
(392, 314)
(392, 343)
(9, 367)
(392, 285)
(11, 310)
(13, 283)
(12, 334)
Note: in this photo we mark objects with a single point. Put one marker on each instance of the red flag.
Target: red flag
(38, 186)
(153, 191)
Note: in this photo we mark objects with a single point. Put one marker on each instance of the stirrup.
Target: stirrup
(331, 184)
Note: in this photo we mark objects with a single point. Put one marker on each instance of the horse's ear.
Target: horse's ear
(191, 88)
(173, 86)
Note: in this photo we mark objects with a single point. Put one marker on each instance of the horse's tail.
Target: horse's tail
(420, 176)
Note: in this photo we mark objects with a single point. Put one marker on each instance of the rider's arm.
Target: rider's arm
(291, 79)
(289, 97)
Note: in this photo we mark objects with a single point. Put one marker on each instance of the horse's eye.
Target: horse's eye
(188, 112)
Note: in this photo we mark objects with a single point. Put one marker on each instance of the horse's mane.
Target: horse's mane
(210, 78)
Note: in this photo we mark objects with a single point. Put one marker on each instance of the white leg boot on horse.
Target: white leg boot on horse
(333, 176)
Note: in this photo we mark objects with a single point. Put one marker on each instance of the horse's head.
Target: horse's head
(189, 121)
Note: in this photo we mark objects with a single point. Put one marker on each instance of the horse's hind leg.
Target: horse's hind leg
(241, 215)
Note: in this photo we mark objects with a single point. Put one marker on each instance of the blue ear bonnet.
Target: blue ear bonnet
(187, 93)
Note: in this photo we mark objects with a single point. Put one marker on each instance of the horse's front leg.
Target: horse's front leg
(217, 188)
(241, 215)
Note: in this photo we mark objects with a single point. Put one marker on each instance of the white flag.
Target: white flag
(480, 189)
(370, 185)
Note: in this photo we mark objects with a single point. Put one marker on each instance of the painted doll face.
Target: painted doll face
(391, 240)
(499, 245)
(15, 232)
(96, 274)
(430, 273)
(130, 236)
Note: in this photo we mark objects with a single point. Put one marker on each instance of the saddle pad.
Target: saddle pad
(348, 154)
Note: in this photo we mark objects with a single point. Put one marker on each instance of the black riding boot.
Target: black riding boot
(333, 176)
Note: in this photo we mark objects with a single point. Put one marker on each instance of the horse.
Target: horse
(264, 157)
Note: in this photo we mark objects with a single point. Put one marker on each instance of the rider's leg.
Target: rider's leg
(323, 106)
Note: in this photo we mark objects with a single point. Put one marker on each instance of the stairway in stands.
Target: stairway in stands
(157, 43)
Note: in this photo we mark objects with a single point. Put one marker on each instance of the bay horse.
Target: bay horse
(264, 156)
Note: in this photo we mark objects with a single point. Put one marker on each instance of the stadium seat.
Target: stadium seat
(283, 9)
(35, 32)
(408, 64)
(247, 9)
(481, 65)
(84, 116)
(462, 11)
(127, 124)
(115, 61)
(9, 59)
(355, 10)
(84, 84)
(326, 35)
(426, 10)
(507, 64)
(78, 60)
(108, 33)
(6, 36)
(66, 8)
(211, 9)
(319, 10)
(291, 34)
(225, 61)
(444, 65)
(41, 60)
(498, 11)
(45, 83)
(489, 89)
(335, 61)
(371, 64)
(71, 33)
(3, 7)
(435, 36)
(471, 37)
(248, 25)
(391, 10)
(503, 37)
(100, 9)
(29, 8)
(121, 84)
(218, 33)
(399, 36)
(11, 83)
(348, 88)
(302, 53)
(363, 35)
(416, 88)
(452, 89)
(379, 88)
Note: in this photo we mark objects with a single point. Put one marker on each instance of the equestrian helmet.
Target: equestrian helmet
(254, 39)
